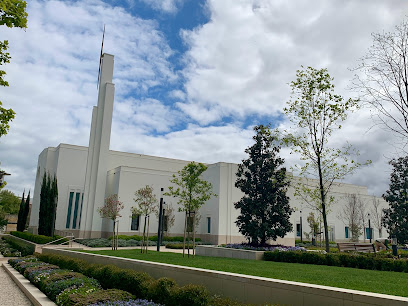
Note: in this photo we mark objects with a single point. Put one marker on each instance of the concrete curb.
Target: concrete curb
(32, 293)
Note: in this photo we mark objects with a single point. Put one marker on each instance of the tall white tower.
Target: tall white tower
(98, 152)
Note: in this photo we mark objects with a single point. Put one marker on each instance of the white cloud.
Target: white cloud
(166, 6)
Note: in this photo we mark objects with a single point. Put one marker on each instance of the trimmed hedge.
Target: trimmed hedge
(153, 238)
(39, 239)
(178, 246)
(140, 284)
(350, 260)
(24, 247)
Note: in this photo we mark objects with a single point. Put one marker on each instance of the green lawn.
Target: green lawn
(394, 283)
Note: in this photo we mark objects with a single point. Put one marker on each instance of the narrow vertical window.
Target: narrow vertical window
(134, 226)
(346, 232)
(80, 211)
(74, 222)
(71, 197)
(208, 225)
(297, 230)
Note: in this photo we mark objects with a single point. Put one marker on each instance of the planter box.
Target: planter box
(215, 251)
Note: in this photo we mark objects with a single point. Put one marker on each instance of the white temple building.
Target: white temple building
(87, 175)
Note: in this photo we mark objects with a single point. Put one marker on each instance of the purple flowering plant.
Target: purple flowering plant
(137, 302)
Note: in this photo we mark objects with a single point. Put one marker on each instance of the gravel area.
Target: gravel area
(10, 294)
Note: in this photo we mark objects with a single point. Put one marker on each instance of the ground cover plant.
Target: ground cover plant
(341, 277)
(24, 247)
(164, 291)
(66, 287)
(129, 241)
(246, 246)
(7, 249)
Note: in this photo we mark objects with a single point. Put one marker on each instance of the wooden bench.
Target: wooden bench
(356, 247)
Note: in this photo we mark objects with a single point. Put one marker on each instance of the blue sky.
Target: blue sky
(191, 77)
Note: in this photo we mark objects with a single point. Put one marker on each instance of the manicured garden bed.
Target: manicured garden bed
(163, 290)
(38, 239)
(341, 277)
(7, 250)
(23, 246)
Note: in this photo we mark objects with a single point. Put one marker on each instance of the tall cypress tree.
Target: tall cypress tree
(395, 218)
(26, 212)
(20, 228)
(264, 208)
(48, 205)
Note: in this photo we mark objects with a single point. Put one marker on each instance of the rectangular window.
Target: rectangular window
(208, 225)
(297, 230)
(346, 232)
(134, 226)
(369, 233)
(71, 197)
(80, 211)
(74, 222)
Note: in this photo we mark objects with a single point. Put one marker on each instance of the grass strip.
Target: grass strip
(393, 283)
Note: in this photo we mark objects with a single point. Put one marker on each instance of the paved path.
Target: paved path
(10, 294)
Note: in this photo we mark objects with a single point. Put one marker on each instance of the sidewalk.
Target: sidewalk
(10, 294)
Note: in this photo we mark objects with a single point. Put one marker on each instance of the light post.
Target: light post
(160, 220)
(301, 229)
(369, 227)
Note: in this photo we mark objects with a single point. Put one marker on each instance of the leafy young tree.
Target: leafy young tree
(382, 79)
(192, 192)
(316, 111)
(111, 210)
(12, 14)
(145, 200)
(9, 202)
(313, 225)
(264, 209)
(396, 216)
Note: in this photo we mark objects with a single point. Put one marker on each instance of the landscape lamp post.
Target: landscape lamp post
(369, 227)
(160, 220)
(301, 229)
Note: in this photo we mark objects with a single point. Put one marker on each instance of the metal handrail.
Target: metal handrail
(70, 238)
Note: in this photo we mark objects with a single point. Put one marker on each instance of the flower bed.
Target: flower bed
(243, 246)
(66, 287)
(163, 290)
(7, 250)
(25, 247)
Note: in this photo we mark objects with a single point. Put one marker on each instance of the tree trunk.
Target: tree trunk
(147, 235)
(185, 229)
(143, 238)
(113, 236)
(323, 198)
(194, 234)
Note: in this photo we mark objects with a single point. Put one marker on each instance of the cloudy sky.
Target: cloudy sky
(192, 77)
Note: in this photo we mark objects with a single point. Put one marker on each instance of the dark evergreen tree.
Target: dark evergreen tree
(48, 205)
(395, 218)
(26, 211)
(20, 214)
(265, 209)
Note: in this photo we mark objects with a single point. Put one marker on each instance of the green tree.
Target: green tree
(395, 218)
(316, 111)
(12, 14)
(20, 214)
(9, 202)
(145, 200)
(111, 210)
(192, 192)
(48, 205)
(264, 209)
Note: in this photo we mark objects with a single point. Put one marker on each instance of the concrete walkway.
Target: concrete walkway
(10, 293)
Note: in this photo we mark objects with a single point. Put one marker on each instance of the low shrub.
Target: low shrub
(178, 246)
(96, 297)
(162, 290)
(7, 250)
(39, 239)
(153, 238)
(25, 248)
(52, 289)
(137, 302)
(366, 261)
(192, 295)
